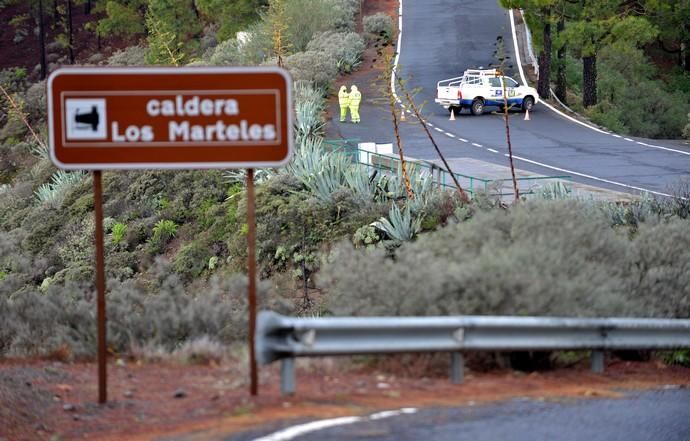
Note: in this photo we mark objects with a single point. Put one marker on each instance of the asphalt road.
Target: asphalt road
(440, 39)
(638, 416)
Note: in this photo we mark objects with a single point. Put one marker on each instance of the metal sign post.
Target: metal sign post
(251, 270)
(169, 118)
(100, 287)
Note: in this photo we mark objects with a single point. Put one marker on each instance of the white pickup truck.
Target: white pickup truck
(479, 88)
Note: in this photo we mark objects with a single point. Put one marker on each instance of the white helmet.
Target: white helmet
(353, 88)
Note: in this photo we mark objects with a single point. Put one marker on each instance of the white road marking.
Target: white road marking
(438, 130)
(628, 139)
(428, 124)
(616, 136)
(449, 134)
(477, 145)
(492, 150)
(293, 432)
(463, 140)
(608, 181)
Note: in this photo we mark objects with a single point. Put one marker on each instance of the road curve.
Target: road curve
(441, 38)
(661, 415)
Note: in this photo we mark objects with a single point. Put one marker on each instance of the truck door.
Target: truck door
(511, 90)
(495, 91)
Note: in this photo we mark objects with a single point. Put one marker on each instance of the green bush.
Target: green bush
(627, 76)
(306, 18)
(379, 26)
(164, 230)
(190, 261)
(118, 232)
(686, 130)
(344, 47)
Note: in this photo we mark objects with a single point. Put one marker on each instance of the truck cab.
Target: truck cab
(477, 89)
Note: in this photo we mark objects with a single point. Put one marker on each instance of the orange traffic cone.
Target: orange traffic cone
(527, 115)
(452, 115)
(402, 115)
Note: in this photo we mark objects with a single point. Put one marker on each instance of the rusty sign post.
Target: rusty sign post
(169, 118)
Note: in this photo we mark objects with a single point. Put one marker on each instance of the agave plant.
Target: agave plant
(321, 172)
(309, 105)
(556, 190)
(54, 193)
(400, 225)
(240, 175)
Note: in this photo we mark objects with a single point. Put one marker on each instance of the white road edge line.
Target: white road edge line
(524, 81)
(519, 158)
(293, 432)
(397, 53)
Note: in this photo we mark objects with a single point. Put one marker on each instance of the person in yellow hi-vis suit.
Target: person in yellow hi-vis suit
(355, 99)
(344, 101)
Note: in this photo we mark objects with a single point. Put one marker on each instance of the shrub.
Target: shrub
(380, 26)
(306, 18)
(312, 66)
(36, 102)
(686, 130)
(626, 75)
(131, 56)
(191, 260)
(36, 324)
(539, 258)
(344, 13)
(344, 47)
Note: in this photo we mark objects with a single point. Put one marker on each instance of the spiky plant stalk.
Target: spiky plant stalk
(22, 116)
(510, 145)
(278, 19)
(415, 110)
(387, 76)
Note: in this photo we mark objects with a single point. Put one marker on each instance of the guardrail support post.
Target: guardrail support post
(457, 368)
(598, 362)
(287, 376)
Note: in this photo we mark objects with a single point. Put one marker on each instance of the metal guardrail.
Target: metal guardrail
(471, 184)
(284, 338)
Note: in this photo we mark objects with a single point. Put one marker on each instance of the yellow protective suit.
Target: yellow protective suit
(355, 99)
(344, 101)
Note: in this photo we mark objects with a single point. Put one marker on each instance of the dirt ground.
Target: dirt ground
(48, 400)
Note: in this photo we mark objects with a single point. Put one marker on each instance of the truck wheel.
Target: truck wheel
(527, 103)
(477, 107)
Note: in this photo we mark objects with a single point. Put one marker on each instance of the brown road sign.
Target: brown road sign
(136, 118)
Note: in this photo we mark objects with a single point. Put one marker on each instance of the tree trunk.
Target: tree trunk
(42, 40)
(87, 7)
(70, 46)
(56, 14)
(561, 85)
(545, 62)
(589, 80)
